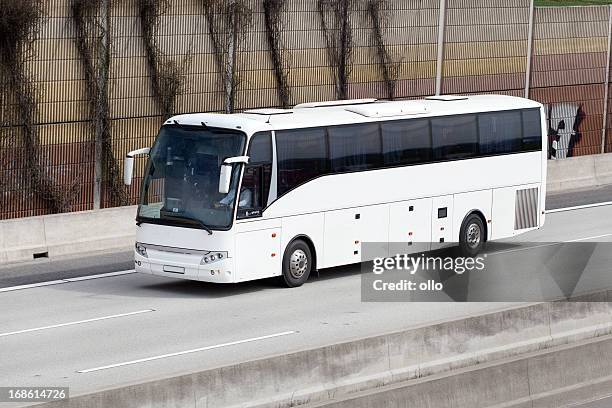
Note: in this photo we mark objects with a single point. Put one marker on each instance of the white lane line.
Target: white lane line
(69, 280)
(579, 207)
(102, 275)
(33, 285)
(180, 353)
(549, 244)
(96, 319)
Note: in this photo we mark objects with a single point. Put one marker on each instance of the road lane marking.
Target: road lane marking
(102, 275)
(180, 353)
(67, 280)
(32, 285)
(548, 245)
(96, 319)
(579, 207)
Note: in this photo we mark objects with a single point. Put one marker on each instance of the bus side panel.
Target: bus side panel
(308, 225)
(442, 222)
(410, 226)
(504, 211)
(466, 203)
(346, 230)
(258, 246)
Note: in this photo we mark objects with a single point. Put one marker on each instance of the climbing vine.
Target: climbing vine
(389, 68)
(228, 23)
(335, 16)
(274, 27)
(93, 41)
(166, 75)
(20, 22)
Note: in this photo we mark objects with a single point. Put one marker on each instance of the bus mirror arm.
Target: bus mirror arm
(225, 178)
(128, 168)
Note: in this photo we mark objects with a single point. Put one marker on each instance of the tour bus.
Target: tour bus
(284, 192)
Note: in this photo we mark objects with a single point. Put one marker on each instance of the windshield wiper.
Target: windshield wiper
(194, 220)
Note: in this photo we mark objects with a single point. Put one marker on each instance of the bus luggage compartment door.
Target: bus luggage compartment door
(258, 254)
(346, 230)
(410, 226)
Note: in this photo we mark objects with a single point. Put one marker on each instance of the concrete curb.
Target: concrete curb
(579, 172)
(67, 234)
(341, 370)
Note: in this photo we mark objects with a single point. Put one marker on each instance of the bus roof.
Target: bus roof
(352, 112)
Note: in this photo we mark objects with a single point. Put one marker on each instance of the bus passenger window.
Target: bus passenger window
(406, 142)
(302, 156)
(500, 132)
(355, 147)
(454, 137)
(532, 130)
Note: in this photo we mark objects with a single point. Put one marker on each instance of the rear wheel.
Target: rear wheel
(297, 264)
(472, 238)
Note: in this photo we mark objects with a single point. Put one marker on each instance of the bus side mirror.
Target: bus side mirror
(225, 178)
(128, 171)
(128, 167)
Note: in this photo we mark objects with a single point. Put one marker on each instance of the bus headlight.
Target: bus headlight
(141, 250)
(213, 257)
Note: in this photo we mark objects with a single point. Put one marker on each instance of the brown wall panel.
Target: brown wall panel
(484, 83)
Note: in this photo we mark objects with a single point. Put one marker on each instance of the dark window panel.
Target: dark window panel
(500, 132)
(532, 130)
(355, 147)
(302, 156)
(260, 149)
(406, 142)
(257, 176)
(454, 137)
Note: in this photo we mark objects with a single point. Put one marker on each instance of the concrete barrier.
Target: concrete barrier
(558, 377)
(579, 172)
(344, 370)
(63, 234)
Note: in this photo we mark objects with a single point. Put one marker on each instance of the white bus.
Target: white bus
(316, 181)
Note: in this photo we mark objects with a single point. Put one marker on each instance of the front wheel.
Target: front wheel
(472, 238)
(297, 264)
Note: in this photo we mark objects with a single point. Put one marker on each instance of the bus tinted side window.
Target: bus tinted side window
(532, 130)
(406, 142)
(454, 137)
(500, 132)
(355, 147)
(302, 156)
(257, 176)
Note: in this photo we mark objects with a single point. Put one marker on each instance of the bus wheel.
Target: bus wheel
(472, 237)
(297, 264)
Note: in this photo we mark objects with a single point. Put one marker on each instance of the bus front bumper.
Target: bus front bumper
(186, 268)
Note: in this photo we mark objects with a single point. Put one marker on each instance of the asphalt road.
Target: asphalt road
(579, 197)
(96, 334)
(601, 403)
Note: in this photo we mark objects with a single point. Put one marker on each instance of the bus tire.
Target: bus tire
(297, 264)
(472, 238)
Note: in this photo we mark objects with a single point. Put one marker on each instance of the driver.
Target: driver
(246, 198)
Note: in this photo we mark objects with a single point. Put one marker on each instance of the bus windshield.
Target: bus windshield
(181, 185)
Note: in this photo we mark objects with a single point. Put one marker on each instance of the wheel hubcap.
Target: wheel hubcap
(473, 235)
(298, 264)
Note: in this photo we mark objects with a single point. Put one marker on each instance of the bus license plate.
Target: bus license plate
(174, 269)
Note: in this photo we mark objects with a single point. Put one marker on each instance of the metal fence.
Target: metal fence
(454, 46)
